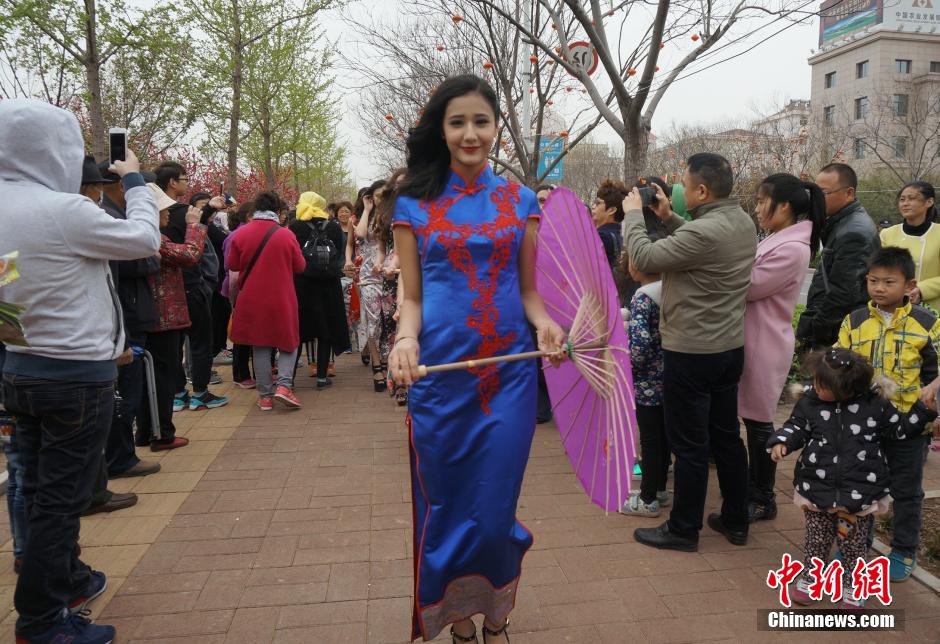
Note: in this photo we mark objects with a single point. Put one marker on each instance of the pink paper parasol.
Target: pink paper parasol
(592, 394)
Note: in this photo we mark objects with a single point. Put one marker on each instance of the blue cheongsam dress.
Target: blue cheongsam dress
(470, 431)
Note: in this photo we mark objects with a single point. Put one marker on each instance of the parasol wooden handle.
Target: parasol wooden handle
(424, 370)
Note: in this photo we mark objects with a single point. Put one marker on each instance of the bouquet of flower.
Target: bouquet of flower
(11, 329)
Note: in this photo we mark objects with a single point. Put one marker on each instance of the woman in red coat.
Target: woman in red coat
(265, 315)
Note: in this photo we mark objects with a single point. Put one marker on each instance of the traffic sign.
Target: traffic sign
(550, 148)
(583, 56)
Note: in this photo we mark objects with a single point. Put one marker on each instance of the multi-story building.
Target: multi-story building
(875, 92)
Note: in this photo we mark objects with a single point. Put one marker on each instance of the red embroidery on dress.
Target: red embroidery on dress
(453, 237)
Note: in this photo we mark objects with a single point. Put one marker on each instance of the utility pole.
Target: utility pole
(528, 142)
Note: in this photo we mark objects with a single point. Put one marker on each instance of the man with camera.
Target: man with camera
(706, 268)
(60, 388)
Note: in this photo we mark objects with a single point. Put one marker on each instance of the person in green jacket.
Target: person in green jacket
(920, 234)
(706, 268)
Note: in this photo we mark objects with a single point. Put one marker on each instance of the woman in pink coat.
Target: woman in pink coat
(792, 212)
(265, 315)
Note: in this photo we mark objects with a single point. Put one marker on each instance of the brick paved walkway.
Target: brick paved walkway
(295, 527)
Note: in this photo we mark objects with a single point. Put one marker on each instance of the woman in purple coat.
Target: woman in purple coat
(792, 212)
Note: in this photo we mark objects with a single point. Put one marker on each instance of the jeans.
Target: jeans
(241, 362)
(119, 452)
(285, 369)
(701, 405)
(200, 342)
(61, 428)
(762, 471)
(164, 349)
(906, 464)
(654, 450)
(16, 503)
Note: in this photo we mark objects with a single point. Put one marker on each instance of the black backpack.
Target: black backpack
(320, 252)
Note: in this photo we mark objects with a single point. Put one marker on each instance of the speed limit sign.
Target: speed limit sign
(583, 56)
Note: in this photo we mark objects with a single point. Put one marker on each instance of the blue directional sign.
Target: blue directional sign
(550, 148)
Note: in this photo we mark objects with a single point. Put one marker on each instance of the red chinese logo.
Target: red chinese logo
(781, 578)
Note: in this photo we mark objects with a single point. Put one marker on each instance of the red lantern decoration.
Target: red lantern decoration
(550, 103)
(631, 72)
(440, 47)
(487, 65)
(389, 117)
(568, 89)
(662, 45)
(695, 37)
(657, 67)
(563, 134)
(610, 13)
(531, 90)
(456, 18)
(533, 58)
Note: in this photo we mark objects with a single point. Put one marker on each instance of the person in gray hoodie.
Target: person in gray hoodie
(60, 387)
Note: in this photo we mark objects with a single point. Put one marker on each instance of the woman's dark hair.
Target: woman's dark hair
(240, 215)
(382, 221)
(268, 200)
(199, 195)
(612, 193)
(347, 205)
(806, 199)
(927, 192)
(843, 372)
(368, 191)
(427, 153)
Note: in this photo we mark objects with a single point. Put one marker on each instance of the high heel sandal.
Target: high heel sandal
(379, 384)
(462, 638)
(498, 631)
(401, 395)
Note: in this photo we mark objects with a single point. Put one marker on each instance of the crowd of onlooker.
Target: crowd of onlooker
(134, 288)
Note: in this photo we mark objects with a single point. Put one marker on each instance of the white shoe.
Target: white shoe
(634, 506)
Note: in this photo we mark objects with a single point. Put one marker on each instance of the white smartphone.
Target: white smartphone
(117, 142)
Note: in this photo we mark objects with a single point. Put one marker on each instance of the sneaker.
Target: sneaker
(665, 498)
(901, 566)
(215, 378)
(265, 403)
(181, 401)
(286, 397)
(848, 603)
(224, 357)
(246, 384)
(206, 400)
(95, 588)
(162, 445)
(637, 472)
(74, 629)
(800, 594)
(761, 511)
(634, 506)
(323, 383)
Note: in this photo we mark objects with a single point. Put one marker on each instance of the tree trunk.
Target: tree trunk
(235, 118)
(93, 77)
(635, 150)
(266, 150)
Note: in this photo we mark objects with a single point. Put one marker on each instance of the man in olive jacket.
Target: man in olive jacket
(706, 267)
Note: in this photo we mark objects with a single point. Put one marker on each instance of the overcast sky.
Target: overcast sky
(768, 76)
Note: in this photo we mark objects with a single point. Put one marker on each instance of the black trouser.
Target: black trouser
(543, 409)
(762, 471)
(241, 362)
(221, 312)
(701, 404)
(324, 355)
(61, 429)
(164, 349)
(654, 450)
(906, 464)
(200, 341)
(119, 452)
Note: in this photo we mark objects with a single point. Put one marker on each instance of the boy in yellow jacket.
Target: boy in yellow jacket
(902, 342)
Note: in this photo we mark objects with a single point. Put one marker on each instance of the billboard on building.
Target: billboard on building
(911, 14)
(838, 18)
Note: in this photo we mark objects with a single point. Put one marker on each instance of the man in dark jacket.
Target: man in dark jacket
(849, 238)
(171, 177)
(140, 315)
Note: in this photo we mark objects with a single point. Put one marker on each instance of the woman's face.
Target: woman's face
(913, 205)
(469, 130)
(343, 215)
(772, 218)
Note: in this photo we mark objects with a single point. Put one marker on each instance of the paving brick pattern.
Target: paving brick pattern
(296, 527)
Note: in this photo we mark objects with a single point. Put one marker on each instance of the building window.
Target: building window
(899, 105)
(831, 80)
(902, 66)
(803, 120)
(829, 115)
(861, 108)
(861, 69)
(899, 146)
(859, 148)
(935, 67)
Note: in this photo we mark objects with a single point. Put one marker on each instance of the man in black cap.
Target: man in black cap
(132, 281)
